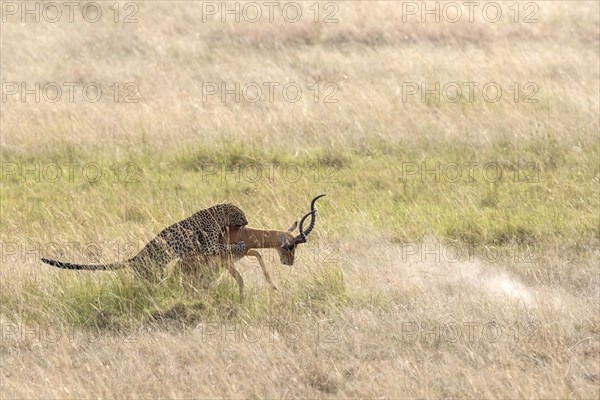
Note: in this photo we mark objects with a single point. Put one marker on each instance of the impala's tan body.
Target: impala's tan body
(259, 239)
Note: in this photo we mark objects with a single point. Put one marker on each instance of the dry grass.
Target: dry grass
(379, 304)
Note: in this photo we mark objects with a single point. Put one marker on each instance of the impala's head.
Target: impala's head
(289, 241)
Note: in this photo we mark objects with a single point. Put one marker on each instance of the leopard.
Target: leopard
(201, 233)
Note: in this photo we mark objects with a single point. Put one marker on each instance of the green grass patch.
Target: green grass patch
(542, 191)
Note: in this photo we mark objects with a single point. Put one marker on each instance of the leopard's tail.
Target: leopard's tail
(87, 267)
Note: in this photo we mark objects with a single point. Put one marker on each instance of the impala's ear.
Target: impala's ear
(282, 239)
(293, 226)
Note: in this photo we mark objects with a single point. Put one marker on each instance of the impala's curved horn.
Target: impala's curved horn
(301, 238)
(313, 219)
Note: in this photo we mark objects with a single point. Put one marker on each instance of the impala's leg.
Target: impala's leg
(237, 277)
(254, 253)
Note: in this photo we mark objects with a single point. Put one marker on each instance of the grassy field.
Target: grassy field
(455, 255)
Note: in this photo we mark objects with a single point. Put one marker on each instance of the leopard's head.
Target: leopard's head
(235, 216)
